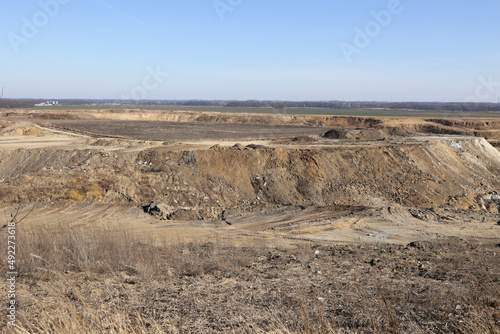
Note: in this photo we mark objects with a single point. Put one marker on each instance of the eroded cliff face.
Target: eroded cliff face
(425, 172)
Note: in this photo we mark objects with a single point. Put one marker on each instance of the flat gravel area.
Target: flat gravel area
(185, 131)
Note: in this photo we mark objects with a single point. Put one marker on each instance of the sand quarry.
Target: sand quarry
(191, 222)
(185, 175)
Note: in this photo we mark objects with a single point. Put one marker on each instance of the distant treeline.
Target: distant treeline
(11, 104)
(428, 106)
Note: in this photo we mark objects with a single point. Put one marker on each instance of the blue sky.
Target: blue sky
(422, 50)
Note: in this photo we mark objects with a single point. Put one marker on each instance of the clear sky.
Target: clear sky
(411, 50)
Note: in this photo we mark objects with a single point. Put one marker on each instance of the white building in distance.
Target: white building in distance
(47, 104)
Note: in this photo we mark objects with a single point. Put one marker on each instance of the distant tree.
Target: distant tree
(280, 105)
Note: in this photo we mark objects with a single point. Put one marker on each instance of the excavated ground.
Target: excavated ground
(321, 178)
(184, 222)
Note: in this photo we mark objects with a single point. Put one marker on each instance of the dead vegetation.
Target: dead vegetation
(110, 281)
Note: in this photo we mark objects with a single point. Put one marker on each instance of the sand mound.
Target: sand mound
(366, 133)
(423, 172)
(14, 128)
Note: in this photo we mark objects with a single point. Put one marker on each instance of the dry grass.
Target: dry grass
(103, 281)
(82, 189)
